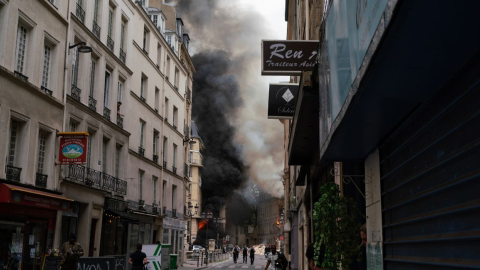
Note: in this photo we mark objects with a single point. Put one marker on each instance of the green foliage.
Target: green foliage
(336, 227)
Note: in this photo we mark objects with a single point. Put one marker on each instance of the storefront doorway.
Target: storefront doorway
(34, 244)
(11, 242)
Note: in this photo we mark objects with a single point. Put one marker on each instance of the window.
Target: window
(174, 196)
(143, 86)
(110, 22)
(75, 63)
(142, 128)
(118, 151)
(21, 48)
(89, 148)
(42, 140)
(145, 39)
(155, 142)
(73, 126)
(157, 97)
(174, 154)
(95, 11)
(14, 128)
(169, 40)
(166, 110)
(47, 50)
(165, 141)
(155, 19)
(106, 90)
(167, 71)
(122, 36)
(176, 79)
(104, 155)
(120, 92)
(175, 117)
(164, 188)
(159, 55)
(154, 180)
(92, 78)
(140, 182)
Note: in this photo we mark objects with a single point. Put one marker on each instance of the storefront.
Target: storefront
(142, 231)
(173, 234)
(27, 225)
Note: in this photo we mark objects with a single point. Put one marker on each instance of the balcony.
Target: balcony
(175, 87)
(41, 180)
(96, 29)
(119, 121)
(141, 205)
(110, 43)
(174, 213)
(142, 99)
(174, 127)
(20, 75)
(185, 171)
(46, 90)
(141, 151)
(13, 173)
(164, 164)
(92, 103)
(95, 179)
(155, 208)
(155, 158)
(197, 162)
(189, 94)
(80, 13)
(123, 56)
(106, 113)
(174, 169)
(164, 211)
(75, 92)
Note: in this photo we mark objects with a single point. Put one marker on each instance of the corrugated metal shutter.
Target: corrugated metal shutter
(430, 173)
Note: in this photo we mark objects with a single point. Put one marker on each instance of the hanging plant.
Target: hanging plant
(336, 228)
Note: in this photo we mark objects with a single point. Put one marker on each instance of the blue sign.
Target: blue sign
(350, 27)
(72, 151)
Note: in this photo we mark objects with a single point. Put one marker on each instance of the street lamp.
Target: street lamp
(216, 221)
(82, 47)
(190, 214)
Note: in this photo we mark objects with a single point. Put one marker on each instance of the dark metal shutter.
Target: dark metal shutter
(430, 177)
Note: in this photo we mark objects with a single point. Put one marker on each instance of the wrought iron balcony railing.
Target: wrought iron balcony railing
(96, 29)
(106, 113)
(80, 13)
(189, 93)
(120, 121)
(75, 92)
(41, 180)
(155, 158)
(175, 87)
(110, 43)
(141, 151)
(48, 91)
(92, 103)
(20, 75)
(95, 179)
(13, 173)
(174, 169)
(164, 164)
(123, 55)
(185, 171)
(174, 127)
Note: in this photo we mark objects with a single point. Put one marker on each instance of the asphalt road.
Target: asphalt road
(259, 263)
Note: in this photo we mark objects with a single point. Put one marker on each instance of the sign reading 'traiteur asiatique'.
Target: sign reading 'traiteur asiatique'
(288, 57)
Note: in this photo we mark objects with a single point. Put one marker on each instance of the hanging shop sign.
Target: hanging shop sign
(282, 98)
(73, 148)
(288, 57)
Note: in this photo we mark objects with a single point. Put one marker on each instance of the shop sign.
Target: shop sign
(29, 199)
(288, 57)
(73, 150)
(174, 224)
(282, 98)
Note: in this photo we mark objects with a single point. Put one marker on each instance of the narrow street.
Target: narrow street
(259, 263)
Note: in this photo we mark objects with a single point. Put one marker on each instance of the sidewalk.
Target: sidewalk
(192, 264)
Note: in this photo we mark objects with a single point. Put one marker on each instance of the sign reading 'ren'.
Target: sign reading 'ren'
(288, 57)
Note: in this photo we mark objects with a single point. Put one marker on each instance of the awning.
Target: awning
(145, 214)
(124, 216)
(31, 197)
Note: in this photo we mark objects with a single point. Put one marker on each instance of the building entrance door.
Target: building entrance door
(34, 244)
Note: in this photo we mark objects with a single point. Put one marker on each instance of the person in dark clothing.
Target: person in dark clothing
(252, 255)
(310, 257)
(267, 250)
(245, 254)
(236, 250)
(138, 259)
(70, 252)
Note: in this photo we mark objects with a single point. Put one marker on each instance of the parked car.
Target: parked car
(197, 248)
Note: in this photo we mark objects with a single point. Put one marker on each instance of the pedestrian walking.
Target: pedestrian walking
(71, 251)
(245, 254)
(138, 259)
(236, 251)
(272, 258)
(267, 250)
(252, 255)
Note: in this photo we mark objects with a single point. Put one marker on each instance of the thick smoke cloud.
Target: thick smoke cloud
(230, 97)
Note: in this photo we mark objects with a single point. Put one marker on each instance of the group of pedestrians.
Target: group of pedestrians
(246, 251)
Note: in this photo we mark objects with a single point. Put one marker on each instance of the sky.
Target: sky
(235, 28)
